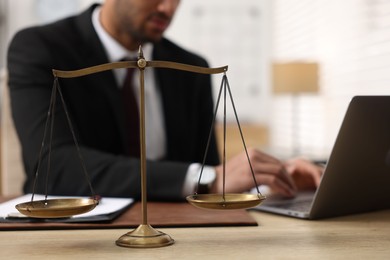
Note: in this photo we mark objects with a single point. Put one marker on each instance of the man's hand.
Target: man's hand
(306, 175)
(267, 170)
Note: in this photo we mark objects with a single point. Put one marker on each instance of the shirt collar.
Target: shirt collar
(115, 51)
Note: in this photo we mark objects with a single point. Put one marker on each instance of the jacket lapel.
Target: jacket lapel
(166, 79)
(104, 81)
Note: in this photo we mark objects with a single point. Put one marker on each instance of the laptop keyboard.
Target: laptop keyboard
(302, 205)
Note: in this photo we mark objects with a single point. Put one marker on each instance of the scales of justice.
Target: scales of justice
(144, 236)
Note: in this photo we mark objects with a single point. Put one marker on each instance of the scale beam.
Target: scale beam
(136, 64)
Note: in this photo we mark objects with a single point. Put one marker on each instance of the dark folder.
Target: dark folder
(160, 214)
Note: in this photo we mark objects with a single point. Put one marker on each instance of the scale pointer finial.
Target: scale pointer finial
(140, 52)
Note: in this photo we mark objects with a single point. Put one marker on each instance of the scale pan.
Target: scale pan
(56, 208)
(229, 201)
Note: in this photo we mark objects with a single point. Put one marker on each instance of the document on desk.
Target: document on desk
(107, 209)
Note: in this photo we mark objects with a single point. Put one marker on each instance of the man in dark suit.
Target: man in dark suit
(179, 109)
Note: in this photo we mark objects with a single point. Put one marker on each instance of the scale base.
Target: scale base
(145, 236)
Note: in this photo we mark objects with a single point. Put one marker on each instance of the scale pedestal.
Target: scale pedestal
(145, 236)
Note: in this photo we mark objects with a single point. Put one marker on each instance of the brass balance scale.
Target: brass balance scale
(144, 236)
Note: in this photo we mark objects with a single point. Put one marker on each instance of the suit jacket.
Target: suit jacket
(96, 111)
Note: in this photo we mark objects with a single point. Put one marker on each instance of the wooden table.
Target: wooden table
(364, 236)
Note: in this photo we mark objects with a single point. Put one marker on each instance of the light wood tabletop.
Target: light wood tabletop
(363, 236)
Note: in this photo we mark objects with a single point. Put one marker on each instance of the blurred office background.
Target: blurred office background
(331, 49)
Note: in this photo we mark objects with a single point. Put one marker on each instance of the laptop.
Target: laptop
(357, 175)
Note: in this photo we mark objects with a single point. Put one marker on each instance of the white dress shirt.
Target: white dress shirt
(154, 116)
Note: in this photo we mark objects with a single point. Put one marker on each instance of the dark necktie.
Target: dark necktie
(131, 115)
